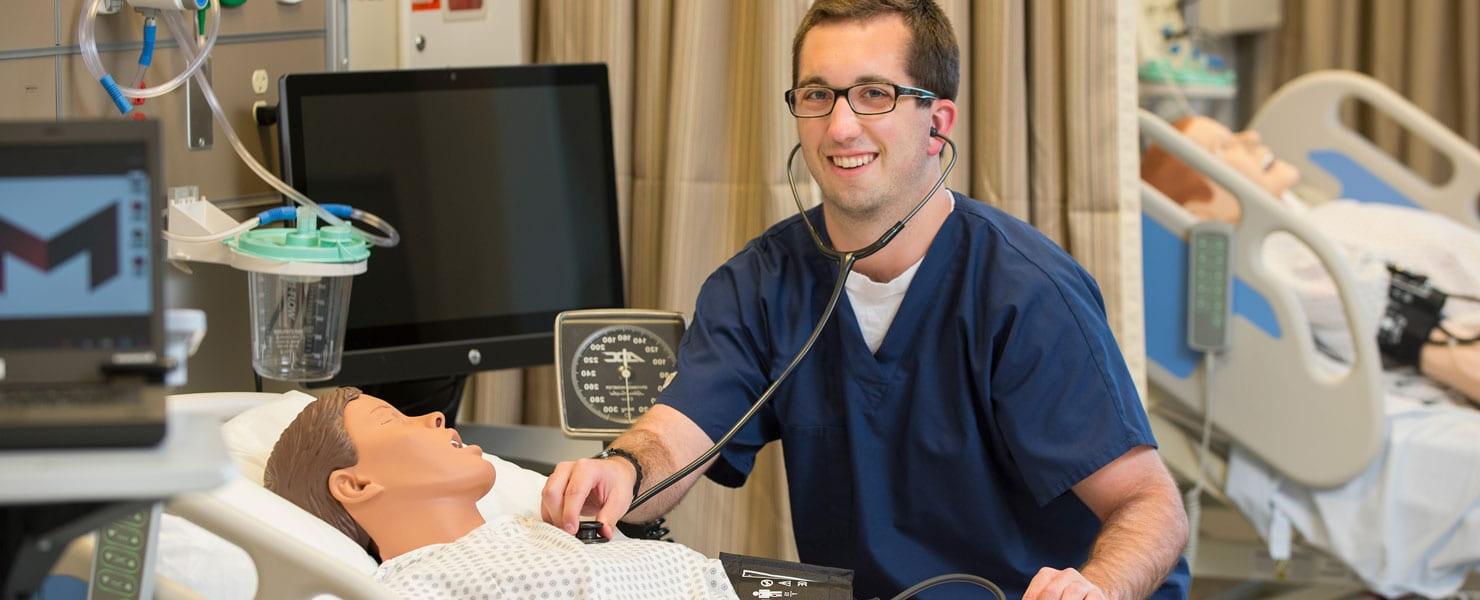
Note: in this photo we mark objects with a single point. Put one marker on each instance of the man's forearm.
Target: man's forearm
(1138, 545)
(657, 464)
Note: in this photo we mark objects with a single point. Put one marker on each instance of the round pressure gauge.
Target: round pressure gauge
(612, 364)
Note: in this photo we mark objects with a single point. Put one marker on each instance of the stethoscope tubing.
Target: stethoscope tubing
(845, 260)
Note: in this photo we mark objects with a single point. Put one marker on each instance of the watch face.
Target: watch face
(612, 364)
(619, 370)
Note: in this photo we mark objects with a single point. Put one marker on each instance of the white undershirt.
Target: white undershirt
(875, 304)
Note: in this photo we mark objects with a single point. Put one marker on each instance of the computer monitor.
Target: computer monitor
(79, 250)
(502, 184)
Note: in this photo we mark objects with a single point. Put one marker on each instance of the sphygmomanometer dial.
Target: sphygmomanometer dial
(619, 370)
(612, 365)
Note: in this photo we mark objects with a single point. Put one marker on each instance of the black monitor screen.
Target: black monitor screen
(502, 186)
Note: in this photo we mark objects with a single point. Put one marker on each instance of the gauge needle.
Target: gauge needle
(627, 384)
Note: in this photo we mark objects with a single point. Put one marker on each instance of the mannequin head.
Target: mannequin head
(1243, 151)
(377, 475)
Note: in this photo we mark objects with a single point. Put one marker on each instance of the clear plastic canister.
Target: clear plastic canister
(298, 325)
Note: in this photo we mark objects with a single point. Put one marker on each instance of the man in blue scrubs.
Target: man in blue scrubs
(966, 411)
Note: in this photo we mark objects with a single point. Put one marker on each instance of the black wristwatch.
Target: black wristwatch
(636, 466)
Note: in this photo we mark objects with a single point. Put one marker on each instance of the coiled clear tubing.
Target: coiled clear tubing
(195, 58)
(87, 38)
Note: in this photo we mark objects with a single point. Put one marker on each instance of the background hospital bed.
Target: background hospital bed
(1316, 427)
(1273, 399)
(1301, 124)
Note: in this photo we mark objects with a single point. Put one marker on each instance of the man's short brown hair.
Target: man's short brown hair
(313, 446)
(934, 59)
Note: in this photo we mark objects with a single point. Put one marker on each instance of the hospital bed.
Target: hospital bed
(242, 537)
(1315, 423)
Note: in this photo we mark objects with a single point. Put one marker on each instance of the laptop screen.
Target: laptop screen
(76, 246)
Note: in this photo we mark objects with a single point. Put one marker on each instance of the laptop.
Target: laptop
(81, 306)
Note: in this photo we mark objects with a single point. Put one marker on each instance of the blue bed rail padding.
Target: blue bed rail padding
(1357, 183)
(1164, 257)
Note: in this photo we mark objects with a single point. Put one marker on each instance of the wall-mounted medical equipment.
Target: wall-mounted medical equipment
(503, 180)
(412, 34)
(1224, 17)
(300, 278)
(611, 365)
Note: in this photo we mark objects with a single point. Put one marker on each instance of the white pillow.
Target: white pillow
(249, 438)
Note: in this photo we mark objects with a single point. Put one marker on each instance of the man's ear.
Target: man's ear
(349, 487)
(942, 120)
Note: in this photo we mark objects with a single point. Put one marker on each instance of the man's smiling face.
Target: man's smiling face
(863, 163)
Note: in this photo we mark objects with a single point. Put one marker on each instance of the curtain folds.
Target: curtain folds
(701, 135)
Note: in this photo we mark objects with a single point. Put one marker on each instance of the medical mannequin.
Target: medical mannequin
(406, 490)
(1418, 241)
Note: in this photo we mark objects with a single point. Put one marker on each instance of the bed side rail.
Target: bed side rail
(286, 568)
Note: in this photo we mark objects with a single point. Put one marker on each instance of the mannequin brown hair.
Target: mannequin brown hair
(313, 446)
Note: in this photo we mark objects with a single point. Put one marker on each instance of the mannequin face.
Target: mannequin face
(409, 457)
(1246, 153)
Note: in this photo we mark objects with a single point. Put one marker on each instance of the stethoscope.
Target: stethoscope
(845, 260)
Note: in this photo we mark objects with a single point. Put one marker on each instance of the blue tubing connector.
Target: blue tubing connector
(113, 92)
(146, 57)
(290, 213)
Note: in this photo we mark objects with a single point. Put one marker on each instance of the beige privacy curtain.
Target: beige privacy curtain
(1426, 50)
(701, 135)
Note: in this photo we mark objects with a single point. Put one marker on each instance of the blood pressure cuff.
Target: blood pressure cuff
(766, 578)
(1413, 310)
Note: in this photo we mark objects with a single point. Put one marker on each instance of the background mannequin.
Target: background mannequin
(1418, 241)
(406, 489)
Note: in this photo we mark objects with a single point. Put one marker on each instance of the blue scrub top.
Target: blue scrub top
(953, 448)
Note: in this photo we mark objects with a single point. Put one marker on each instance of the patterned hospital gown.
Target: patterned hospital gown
(522, 557)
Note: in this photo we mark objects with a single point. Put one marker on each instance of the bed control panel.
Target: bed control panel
(1209, 285)
(123, 558)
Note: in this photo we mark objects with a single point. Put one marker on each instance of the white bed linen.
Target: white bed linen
(1371, 236)
(1409, 523)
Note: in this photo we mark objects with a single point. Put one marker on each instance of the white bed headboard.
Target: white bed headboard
(1301, 123)
(1316, 428)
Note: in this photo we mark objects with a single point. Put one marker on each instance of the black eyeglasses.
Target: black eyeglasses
(875, 98)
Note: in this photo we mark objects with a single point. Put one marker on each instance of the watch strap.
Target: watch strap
(636, 465)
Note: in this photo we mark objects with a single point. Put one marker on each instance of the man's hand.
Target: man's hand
(1068, 584)
(588, 486)
(603, 487)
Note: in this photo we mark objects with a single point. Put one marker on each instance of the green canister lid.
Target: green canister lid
(304, 243)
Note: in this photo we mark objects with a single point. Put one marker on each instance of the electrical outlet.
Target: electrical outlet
(259, 81)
